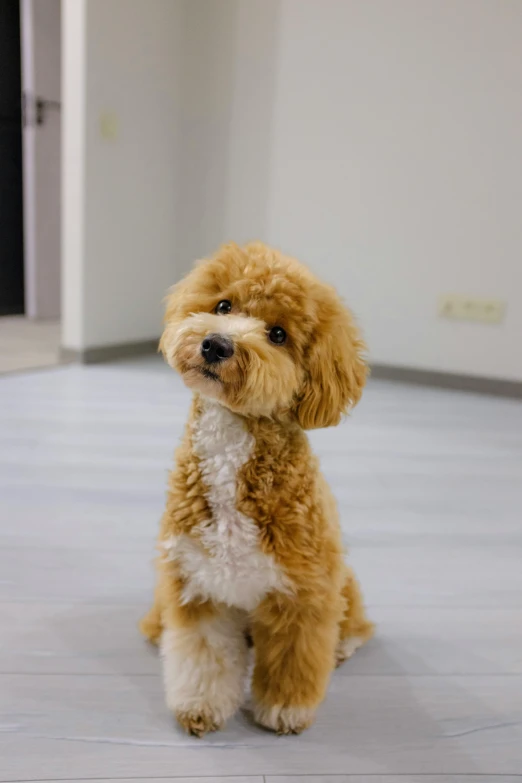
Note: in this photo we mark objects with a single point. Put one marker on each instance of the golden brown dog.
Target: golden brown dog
(250, 539)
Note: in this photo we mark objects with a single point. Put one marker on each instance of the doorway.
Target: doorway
(30, 151)
(11, 196)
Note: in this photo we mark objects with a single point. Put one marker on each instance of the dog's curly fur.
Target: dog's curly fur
(250, 541)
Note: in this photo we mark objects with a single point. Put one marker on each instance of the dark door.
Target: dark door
(11, 215)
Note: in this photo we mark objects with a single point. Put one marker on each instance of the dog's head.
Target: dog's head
(258, 332)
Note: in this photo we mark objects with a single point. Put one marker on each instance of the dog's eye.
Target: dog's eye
(223, 307)
(277, 335)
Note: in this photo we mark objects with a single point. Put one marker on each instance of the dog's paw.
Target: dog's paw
(346, 648)
(198, 722)
(284, 720)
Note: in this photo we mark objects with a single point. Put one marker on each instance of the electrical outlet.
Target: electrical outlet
(465, 308)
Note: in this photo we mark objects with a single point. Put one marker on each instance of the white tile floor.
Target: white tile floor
(430, 490)
(26, 345)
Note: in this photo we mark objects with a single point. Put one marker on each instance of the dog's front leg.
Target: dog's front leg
(204, 663)
(294, 644)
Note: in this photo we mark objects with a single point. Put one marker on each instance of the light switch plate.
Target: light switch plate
(108, 126)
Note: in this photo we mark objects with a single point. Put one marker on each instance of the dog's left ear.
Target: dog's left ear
(335, 368)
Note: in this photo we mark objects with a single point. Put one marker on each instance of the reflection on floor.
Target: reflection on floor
(25, 344)
(430, 494)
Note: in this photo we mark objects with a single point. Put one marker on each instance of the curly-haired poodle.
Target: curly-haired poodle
(250, 542)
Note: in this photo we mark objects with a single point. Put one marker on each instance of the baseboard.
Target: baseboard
(446, 380)
(442, 380)
(110, 353)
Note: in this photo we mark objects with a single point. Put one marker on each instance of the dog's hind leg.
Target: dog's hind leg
(354, 629)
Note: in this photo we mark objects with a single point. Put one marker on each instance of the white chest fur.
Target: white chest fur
(223, 560)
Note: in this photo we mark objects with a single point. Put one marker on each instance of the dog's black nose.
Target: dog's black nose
(216, 348)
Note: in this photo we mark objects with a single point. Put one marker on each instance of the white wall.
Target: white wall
(381, 142)
(121, 61)
(73, 173)
(227, 108)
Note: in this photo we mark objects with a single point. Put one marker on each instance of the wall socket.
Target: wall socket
(457, 307)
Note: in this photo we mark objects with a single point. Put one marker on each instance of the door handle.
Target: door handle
(34, 109)
(42, 105)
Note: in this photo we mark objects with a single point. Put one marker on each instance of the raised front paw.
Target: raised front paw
(284, 720)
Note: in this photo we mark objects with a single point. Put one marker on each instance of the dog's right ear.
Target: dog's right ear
(194, 293)
(198, 291)
(175, 303)
(178, 298)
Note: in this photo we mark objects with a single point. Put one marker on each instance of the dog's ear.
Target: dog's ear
(196, 292)
(173, 313)
(186, 296)
(335, 368)
(180, 296)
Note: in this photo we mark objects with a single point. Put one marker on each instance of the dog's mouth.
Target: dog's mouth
(212, 376)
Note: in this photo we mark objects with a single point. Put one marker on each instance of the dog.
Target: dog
(250, 543)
